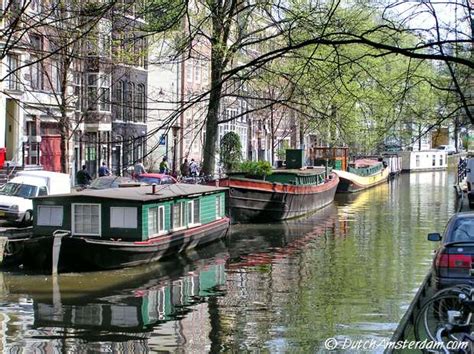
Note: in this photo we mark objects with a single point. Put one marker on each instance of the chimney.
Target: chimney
(153, 188)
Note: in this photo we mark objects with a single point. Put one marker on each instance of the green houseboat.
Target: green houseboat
(108, 229)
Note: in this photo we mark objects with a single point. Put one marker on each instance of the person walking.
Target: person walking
(104, 170)
(194, 168)
(138, 169)
(164, 165)
(83, 178)
(185, 168)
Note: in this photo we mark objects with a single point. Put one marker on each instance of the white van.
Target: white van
(15, 196)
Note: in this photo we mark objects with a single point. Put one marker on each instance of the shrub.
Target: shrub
(256, 168)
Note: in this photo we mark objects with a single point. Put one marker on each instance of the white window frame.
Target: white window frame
(219, 210)
(192, 203)
(158, 210)
(51, 207)
(73, 221)
(182, 211)
(135, 226)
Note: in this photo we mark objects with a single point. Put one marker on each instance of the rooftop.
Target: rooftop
(144, 194)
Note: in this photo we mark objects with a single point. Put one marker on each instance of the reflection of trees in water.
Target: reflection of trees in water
(350, 278)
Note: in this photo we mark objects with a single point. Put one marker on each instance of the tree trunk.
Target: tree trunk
(212, 118)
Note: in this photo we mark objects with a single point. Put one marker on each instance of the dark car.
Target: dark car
(157, 178)
(453, 262)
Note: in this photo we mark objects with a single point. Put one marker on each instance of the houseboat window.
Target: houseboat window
(194, 212)
(123, 217)
(218, 207)
(441, 160)
(86, 219)
(417, 160)
(49, 215)
(434, 160)
(156, 220)
(178, 215)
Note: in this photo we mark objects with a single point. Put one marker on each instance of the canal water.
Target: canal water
(348, 272)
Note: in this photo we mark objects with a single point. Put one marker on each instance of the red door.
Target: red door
(51, 153)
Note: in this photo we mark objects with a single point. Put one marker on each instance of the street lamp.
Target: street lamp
(175, 129)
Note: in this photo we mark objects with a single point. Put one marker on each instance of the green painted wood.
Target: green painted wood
(207, 214)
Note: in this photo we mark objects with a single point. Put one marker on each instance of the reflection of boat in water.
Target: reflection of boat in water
(254, 244)
(125, 301)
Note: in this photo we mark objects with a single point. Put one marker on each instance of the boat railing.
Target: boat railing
(366, 171)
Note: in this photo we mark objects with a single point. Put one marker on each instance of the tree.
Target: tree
(230, 151)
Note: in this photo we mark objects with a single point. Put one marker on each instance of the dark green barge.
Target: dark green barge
(115, 228)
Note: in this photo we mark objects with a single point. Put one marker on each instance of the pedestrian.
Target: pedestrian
(104, 170)
(194, 168)
(83, 178)
(185, 168)
(164, 165)
(138, 169)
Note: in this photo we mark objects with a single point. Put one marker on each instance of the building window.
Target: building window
(105, 93)
(178, 215)
(55, 76)
(189, 72)
(417, 160)
(156, 220)
(86, 219)
(13, 81)
(197, 72)
(130, 101)
(92, 95)
(77, 84)
(434, 160)
(194, 212)
(219, 207)
(119, 100)
(441, 160)
(50, 215)
(140, 103)
(123, 217)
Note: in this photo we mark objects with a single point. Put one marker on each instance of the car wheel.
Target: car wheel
(28, 218)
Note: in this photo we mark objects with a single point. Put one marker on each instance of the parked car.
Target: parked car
(112, 182)
(453, 258)
(450, 149)
(15, 196)
(157, 178)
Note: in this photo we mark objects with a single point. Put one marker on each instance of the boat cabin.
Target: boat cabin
(309, 176)
(365, 167)
(129, 214)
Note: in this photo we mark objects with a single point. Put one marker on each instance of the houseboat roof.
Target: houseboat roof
(167, 191)
(313, 170)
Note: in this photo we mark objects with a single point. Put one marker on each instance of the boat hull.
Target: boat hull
(88, 254)
(350, 182)
(260, 201)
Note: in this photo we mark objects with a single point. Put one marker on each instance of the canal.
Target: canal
(348, 272)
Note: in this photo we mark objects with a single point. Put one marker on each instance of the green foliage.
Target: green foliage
(256, 168)
(281, 152)
(230, 151)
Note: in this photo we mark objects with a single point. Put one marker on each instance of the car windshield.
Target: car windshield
(463, 230)
(109, 182)
(150, 180)
(19, 190)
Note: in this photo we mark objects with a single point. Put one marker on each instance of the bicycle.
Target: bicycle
(447, 316)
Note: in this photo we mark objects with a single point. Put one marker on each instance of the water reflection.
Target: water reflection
(349, 271)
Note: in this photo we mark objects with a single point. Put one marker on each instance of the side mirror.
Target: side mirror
(434, 237)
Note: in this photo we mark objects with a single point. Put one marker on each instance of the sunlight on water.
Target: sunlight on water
(348, 271)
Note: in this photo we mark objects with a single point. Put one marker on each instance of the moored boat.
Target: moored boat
(95, 230)
(284, 194)
(362, 174)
